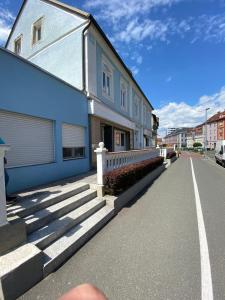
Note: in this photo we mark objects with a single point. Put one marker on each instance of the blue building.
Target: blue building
(70, 44)
(45, 120)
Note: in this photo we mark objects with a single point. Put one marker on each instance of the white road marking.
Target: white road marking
(206, 277)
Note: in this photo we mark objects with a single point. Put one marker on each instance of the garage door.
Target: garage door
(31, 139)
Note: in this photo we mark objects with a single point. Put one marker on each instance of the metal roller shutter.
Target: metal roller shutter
(31, 139)
(72, 136)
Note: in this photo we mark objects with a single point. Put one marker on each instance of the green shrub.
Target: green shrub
(197, 144)
(170, 154)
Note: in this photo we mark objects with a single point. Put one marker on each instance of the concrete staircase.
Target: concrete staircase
(60, 220)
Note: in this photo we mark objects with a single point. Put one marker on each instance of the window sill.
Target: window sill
(124, 109)
(111, 98)
(74, 158)
(33, 45)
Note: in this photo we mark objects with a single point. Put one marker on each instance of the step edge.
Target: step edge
(21, 210)
(40, 222)
(45, 241)
(73, 248)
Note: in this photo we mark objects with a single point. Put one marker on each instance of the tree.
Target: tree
(197, 144)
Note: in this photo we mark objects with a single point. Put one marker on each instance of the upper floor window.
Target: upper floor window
(144, 115)
(37, 31)
(136, 107)
(107, 80)
(123, 95)
(17, 45)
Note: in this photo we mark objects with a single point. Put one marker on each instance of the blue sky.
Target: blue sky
(175, 48)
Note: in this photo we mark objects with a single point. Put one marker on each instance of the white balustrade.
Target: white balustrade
(107, 161)
(165, 151)
(3, 212)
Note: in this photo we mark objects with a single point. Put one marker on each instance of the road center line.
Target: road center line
(206, 277)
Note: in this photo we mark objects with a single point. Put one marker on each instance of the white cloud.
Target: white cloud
(137, 58)
(210, 28)
(4, 31)
(149, 48)
(132, 21)
(137, 31)
(115, 10)
(205, 28)
(168, 79)
(134, 70)
(6, 19)
(185, 115)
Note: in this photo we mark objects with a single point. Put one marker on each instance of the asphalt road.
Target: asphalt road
(152, 249)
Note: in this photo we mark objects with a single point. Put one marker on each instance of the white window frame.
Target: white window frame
(107, 71)
(37, 24)
(19, 38)
(118, 138)
(123, 95)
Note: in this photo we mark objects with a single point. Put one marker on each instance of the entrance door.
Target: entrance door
(108, 137)
(120, 140)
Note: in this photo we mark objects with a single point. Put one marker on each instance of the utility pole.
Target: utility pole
(206, 110)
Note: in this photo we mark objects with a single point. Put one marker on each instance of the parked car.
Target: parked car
(220, 152)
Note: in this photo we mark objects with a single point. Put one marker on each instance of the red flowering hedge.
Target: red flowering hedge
(117, 181)
(170, 154)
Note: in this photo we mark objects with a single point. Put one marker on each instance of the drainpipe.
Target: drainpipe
(84, 88)
(83, 55)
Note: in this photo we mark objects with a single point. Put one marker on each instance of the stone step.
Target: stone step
(59, 251)
(44, 236)
(46, 215)
(44, 198)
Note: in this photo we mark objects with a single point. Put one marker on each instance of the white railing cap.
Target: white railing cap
(101, 148)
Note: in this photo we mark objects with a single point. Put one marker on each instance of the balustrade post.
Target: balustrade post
(101, 166)
(163, 153)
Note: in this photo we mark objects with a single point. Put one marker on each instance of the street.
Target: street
(158, 247)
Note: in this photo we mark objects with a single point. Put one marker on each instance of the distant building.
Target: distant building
(159, 141)
(171, 130)
(190, 139)
(177, 137)
(199, 134)
(212, 130)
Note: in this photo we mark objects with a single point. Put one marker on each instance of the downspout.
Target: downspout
(83, 56)
(84, 90)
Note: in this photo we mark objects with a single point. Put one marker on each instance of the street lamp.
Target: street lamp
(206, 110)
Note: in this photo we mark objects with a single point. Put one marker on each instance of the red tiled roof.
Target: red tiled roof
(218, 116)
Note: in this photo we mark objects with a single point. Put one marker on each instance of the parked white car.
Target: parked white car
(220, 152)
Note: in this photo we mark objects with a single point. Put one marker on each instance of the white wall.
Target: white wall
(66, 65)
(60, 49)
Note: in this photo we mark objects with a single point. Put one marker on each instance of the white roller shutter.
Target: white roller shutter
(73, 136)
(31, 139)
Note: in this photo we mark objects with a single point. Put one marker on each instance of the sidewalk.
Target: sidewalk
(150, 250)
